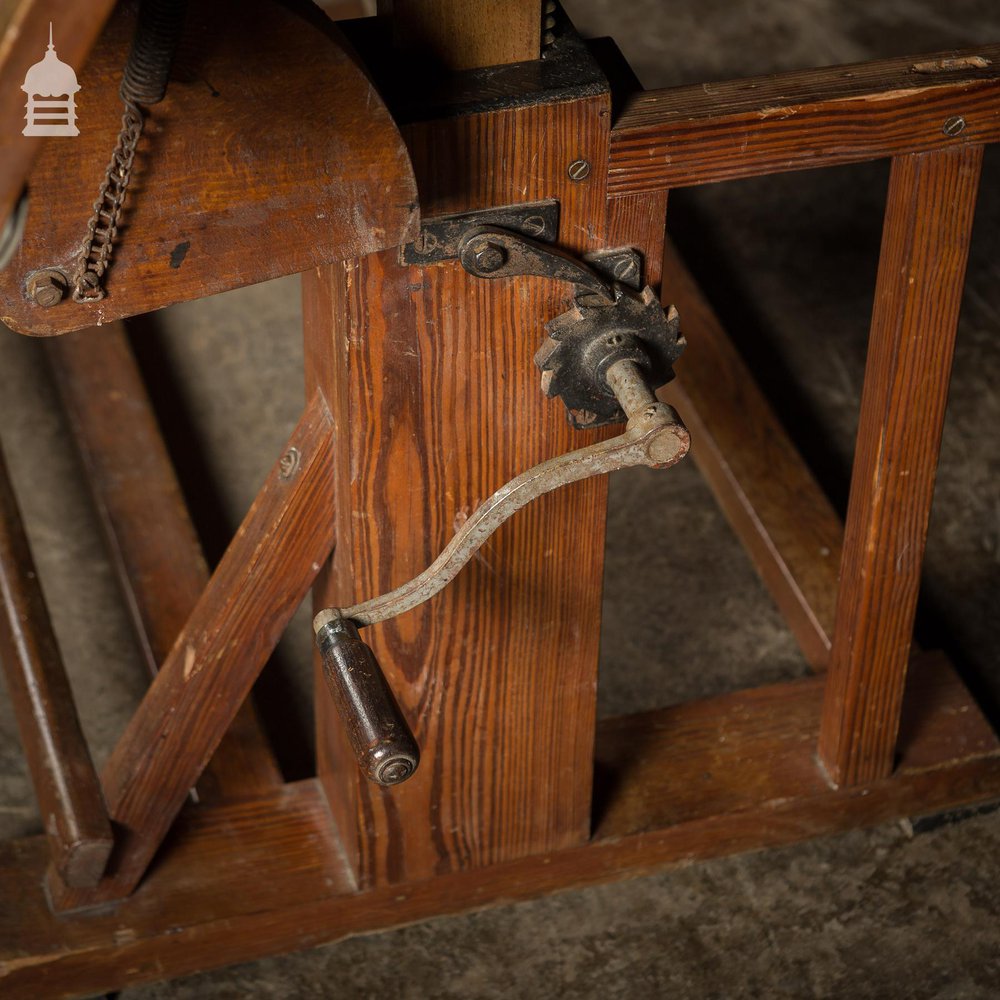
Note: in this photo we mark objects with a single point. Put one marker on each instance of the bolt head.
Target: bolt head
(490, 257)
(954, 125)
(626, 269)
(47, 288)
(579, 170)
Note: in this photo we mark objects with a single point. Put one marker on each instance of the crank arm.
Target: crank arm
(382, 741)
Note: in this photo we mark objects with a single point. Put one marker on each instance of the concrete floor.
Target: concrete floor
(908, 910)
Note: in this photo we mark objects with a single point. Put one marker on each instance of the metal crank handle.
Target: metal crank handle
(654, 436)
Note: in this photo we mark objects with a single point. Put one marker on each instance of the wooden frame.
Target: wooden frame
(506, 811)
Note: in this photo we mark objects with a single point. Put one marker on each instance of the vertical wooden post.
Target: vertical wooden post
(456, 34)
(431, 382)
(925, 241)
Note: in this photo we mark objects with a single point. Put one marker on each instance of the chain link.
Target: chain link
(95, 254)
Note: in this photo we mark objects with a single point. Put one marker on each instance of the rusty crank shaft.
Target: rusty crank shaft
(380, 737)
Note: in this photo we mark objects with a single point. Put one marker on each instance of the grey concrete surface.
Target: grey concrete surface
(902, 911)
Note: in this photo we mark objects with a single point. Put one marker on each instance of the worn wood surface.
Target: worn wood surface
(264, 575)
(808, 118)
(271, 153)
(771, 499)
(742, 777)
(918, 292)
(62, 773)
(24, 36)
(432, 383)
(149, 534)
(454, 35)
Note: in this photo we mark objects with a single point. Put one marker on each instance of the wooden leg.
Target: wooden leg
(62, 773)
(925, 243)
(261, 580)
(433, 386)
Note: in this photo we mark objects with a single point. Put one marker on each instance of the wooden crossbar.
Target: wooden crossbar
(684, 136)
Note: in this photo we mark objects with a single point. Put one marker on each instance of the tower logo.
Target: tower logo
(50, 86)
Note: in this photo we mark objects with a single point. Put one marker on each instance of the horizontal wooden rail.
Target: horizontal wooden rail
(814, 118)
(153, 545)
(66, 786)
(704, 779)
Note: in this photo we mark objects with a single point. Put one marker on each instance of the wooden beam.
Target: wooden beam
(432, 380)
(918, 292)
(810, 118)
(260, 582)
(66, 786)
(152, 542)
(700, 780)
(453, 35)
(217, 201)
(768, 494)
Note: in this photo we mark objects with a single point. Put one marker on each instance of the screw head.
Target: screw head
(953, 125)
(626, 269)
(47, 288)
(533, 225)
(579, 170)
(395, 772)
(489, 257)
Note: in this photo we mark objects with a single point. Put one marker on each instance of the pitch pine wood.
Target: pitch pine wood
(812, 118)
(236, 180)
(263, 576)
(438, 403)
(455, 34)
(681, 784)
(770, 498)
(925, 243)
(150, 537)
(62, 773)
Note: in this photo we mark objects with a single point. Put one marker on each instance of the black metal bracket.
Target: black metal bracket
(440, 238)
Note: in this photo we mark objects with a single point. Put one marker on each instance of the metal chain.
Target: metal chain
(95, 254)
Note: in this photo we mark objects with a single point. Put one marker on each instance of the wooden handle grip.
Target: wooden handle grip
(382, 742)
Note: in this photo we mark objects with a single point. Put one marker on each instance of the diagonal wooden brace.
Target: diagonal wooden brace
(263, 577)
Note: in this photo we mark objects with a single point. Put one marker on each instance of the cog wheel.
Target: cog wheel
(585, 341)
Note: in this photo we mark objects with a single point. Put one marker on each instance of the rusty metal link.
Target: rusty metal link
(95, 254)
(144, 82)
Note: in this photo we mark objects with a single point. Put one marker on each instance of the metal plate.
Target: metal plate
(439, 237)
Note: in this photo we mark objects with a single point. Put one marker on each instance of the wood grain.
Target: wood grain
(804, 119)
(925, 244)
(773, 502)
(271, 153)
(741, 778)
(24, 35)
(262, 578)
(454, 35)
(149, 534)
(431, 378)
(62, 772)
